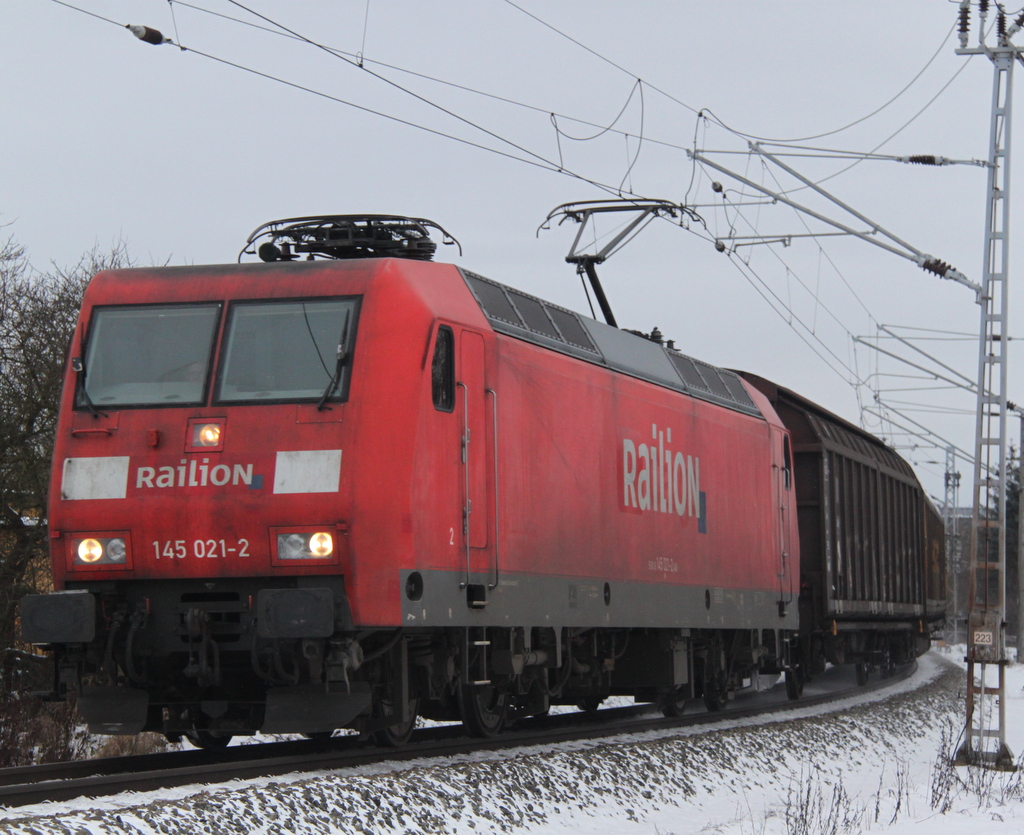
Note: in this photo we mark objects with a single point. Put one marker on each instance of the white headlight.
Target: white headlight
(321, 544)
(90, 550)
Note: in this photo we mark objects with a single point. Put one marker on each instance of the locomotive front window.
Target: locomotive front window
(148, 355)
(292, 350)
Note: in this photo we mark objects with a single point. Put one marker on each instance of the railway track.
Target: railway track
(30, 785)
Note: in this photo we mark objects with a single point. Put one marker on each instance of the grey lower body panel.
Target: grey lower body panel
(309, 708)
(442, 598)
(113, 710)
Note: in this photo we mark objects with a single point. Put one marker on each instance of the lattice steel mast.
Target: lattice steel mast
(985, 732)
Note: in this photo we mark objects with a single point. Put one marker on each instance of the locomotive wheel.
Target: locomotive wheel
(714, 676)
(794, 684)
(888, 666)
(208, 740)
(716, 693)
(590, 704)
(673, 703)
(862, 674)
(484, 709)
(397, 734)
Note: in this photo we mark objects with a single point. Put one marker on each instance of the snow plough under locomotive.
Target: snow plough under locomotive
(344, 491)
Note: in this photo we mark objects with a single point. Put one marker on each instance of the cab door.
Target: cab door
(784, 506)
(473, 404)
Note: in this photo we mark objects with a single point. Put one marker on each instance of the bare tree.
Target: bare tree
(38, 312)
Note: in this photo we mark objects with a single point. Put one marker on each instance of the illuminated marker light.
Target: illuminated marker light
(206, 434)
(113, 551)
(305, 546)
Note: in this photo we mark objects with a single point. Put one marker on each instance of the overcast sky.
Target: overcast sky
(181, 155)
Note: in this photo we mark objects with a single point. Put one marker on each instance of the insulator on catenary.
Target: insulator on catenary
(145, 33)
(940, 268)
(965, 21)
(1001, 24)
(923, 159)
(983, 6)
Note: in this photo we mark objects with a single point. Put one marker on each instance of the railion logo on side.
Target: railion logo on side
(193, 473)
(657, 480)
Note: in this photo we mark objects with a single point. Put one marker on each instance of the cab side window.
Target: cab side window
(787, 463)
(442, 370)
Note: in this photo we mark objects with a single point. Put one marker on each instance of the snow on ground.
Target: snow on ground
(875, 764)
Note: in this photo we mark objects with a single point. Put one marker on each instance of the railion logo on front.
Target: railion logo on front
(190, 473)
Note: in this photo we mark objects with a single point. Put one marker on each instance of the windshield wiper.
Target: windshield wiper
(78, 366)
(332, 386)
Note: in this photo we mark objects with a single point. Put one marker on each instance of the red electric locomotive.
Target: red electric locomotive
(305, 495)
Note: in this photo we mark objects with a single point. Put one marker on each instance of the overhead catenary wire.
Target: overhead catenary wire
(361, 59)
(853, 378)
(537, 160)
(700, 111)
(360, 64)
(397, 86)
(796, 276)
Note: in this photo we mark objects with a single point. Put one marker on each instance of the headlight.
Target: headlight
(305, 546)
(321, 544)
(206, 434)
(90, 551)
(116, 550)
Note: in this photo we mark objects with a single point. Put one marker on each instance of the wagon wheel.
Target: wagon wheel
(589, 704)
(673, 703)
(888, 665)
(209, 740)
(318, 736)
(794, 683)
(202, 735)
(398, 733)
(484, 709)
(715, 677)
(715, 691)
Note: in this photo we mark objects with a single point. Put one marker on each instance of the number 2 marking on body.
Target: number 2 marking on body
(451, 536)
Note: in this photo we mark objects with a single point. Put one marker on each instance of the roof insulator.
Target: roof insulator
(934, 265)
(145, 33)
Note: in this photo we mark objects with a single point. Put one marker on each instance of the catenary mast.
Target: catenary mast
(985, 732)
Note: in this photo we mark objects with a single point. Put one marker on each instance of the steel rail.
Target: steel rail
(29, 785)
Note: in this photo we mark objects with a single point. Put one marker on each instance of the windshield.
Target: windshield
(287, 350)
(152, 355)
